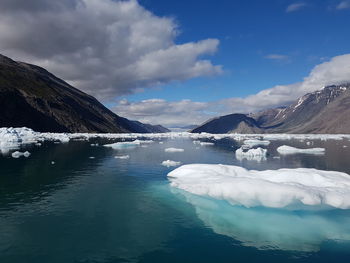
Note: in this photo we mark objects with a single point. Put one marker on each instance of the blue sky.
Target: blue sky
(182, 62)
(250, 31)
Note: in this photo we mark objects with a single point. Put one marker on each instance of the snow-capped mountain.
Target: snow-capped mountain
(323, 111)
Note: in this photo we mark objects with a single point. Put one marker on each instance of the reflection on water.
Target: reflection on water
(271, 228)
(112, 210)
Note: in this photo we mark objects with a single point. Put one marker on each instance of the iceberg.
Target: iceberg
(298, 189)
(173, 150)
(252, 143)
(169, 163)
(285, 149)
(18, 154)
(257, 154)
(206, 143)
(122, 157)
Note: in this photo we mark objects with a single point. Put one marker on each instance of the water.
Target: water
(113, 210)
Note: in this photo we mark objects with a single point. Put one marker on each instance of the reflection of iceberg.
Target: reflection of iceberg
(271, 229)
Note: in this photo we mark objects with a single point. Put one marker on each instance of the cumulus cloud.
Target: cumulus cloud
(295, 7)
(107, 48)
(343, 5)
(170, 114)
(334, 71)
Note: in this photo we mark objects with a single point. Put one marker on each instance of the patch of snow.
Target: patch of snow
(285, 149)
(301, 188)
(169, 163)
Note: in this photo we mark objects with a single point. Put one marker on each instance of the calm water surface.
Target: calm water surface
(104, 209)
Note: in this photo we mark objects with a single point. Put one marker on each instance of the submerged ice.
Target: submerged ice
(300, 188)
(271, 229)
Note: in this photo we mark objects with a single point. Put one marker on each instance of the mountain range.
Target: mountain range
(32, 97)
(323, 111)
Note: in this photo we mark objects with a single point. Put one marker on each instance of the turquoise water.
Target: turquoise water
(104, 209)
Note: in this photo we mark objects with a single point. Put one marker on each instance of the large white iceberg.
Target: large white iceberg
(300, 188)
(285, 149)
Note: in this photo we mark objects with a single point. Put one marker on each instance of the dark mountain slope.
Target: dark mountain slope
(239, 123)
(31, 96)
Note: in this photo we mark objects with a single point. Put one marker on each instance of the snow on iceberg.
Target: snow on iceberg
(257, 154)
(300, 188)
(173, 150)
(285, 149)
(169, 163)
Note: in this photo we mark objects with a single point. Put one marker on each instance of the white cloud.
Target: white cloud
(334, 71)
(276, 57)
(343, 5)
(107, 48)
(170, 114)
(295, 7)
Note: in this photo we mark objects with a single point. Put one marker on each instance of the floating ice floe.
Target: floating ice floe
(301, 188)
(18, 154)
(174, 150)
(122, 157)
(169, 163)
(124, 145)
(253, 143)
(257, 154)
(285, 149)
(206, 143)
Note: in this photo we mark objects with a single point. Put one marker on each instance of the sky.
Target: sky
(178, 63)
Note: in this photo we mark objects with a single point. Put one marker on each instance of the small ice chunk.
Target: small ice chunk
(161, 142)
(91, 157)
(169, 163)
(252, 143)
(300, 188)
(285, 149)
(257, 154)
(52, 162)
(94, 144)
(196, 142)
(206, 143)
(122, 157)
(173, 150)
(18, 154)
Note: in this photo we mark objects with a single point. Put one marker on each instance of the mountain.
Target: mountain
(239, 123)
(323, 111)
(32, 97)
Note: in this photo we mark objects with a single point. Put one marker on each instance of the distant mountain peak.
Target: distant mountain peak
(324, 111)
